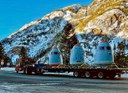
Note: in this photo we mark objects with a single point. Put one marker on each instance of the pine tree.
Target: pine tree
(3, 56)
(23, 56)
(23, 52)
(67, 43)
(1, 52)
(120, 55)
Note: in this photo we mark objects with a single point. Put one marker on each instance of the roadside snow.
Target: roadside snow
(57, 73)
(124, 75)
(8, 69)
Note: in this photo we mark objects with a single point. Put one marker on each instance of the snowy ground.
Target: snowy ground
(8, 69)
(124, 75)
(61, 85)
(42, 88)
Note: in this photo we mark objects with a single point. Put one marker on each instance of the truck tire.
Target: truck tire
(76, 74)
(87, 74)
(38, 72)
(100, 75)
(27, 71)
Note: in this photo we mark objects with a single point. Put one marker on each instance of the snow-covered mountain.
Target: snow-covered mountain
(39, 36)
(69, 25)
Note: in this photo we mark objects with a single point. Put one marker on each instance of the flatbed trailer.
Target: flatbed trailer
(89, 72)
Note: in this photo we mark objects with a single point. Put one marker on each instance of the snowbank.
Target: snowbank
(124, 76)
(63, 73)
(8, 69)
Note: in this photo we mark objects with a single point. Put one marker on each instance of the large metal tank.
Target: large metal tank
(55, 57)
(103, 55)
(77, 55)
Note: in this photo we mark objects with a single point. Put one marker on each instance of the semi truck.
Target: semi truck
(102, 67)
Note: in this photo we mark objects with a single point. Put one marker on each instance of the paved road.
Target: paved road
(12, 82)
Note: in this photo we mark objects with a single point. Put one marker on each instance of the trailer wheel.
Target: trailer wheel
(101, 75)
(87, 74)
(76, 74)
(38, 72)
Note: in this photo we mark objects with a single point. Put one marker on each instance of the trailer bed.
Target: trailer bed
(89, 72)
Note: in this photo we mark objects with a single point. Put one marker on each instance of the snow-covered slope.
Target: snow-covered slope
(39, 36)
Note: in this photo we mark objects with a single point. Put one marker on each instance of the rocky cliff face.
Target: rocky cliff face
(69, 25)
(106, 17)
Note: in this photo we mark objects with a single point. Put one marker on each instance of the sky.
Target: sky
(16, 13)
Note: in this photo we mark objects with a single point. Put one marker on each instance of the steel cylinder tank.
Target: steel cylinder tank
(103, 54)
(77, 55)
(55, 57)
